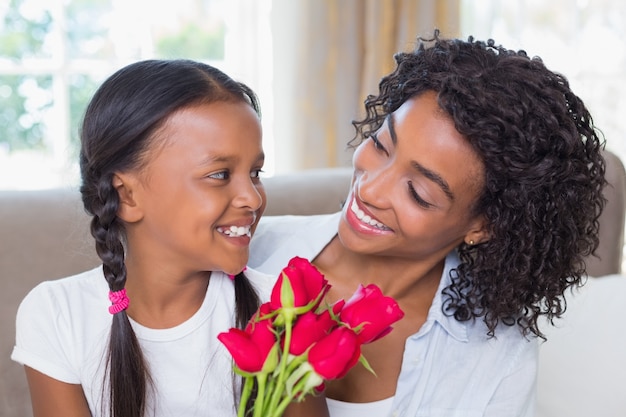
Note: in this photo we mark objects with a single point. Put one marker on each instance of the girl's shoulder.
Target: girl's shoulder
(78, 290)
(67, 304)
(62, 323)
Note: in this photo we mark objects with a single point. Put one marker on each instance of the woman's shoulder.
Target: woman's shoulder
(293, 223)
(279, 238)
(262, 282)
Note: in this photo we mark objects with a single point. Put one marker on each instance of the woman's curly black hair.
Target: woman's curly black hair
(544, 174)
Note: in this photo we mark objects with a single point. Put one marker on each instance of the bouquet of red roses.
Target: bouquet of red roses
(294, 342)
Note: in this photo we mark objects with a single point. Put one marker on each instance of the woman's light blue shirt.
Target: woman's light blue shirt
(449, 368)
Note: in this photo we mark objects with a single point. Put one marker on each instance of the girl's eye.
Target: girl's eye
(222, 175)
(417, 197)
(256, 173)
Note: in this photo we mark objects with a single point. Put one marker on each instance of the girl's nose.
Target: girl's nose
(248, 195)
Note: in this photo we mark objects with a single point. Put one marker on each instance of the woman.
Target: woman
(476, 194)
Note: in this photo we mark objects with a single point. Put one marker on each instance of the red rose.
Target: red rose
(255, 349)
(335, 354)
(299, 284)
(308, 329)
(376, 312)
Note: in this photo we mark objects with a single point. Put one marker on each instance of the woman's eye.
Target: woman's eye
(417, 197)
(222, 175)
(377, 143)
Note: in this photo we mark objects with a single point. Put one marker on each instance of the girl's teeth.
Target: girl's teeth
(236, 231)
(364, 217)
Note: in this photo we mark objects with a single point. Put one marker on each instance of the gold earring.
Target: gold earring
(471, 243)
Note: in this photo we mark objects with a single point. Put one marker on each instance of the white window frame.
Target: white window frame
(247, 59)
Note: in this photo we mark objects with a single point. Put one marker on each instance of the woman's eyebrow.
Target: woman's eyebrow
(392, 128)
(434, 177)
(429, 174)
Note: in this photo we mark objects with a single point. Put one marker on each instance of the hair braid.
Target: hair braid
(127, 370)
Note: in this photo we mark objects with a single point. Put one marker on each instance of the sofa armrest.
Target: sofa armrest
(610, 249)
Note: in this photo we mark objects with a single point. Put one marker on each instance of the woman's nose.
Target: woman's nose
(374, 187)
(374, 175)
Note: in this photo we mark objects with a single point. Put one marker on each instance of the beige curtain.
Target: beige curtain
(328, 56)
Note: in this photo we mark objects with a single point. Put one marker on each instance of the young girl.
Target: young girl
(170, 161)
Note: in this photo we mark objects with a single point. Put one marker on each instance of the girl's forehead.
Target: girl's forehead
(202, 131)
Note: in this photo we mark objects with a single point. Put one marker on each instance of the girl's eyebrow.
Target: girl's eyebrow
(429, 174)
(213, 158)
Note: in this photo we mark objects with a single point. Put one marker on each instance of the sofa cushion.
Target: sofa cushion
(582, 365)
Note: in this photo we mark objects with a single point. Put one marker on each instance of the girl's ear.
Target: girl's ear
(129, 211)
(477, 233)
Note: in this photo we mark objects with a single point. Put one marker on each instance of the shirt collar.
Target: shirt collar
(453, 327)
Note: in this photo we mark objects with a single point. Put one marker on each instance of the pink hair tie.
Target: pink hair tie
(233, 276)
(120, 301)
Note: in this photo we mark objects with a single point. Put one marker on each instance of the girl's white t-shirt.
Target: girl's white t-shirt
(63, 329)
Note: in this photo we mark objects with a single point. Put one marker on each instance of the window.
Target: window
(55, 53)
(584, 40)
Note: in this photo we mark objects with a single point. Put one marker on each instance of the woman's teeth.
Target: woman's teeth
(364, 217)
(235, 231)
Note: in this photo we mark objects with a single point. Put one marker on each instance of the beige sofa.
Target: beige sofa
(44, 235)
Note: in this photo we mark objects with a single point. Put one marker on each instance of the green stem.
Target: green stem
(282, 374)
(269, 389)
(259, 407)
(296, 361)
(280, 408)
(247, 389)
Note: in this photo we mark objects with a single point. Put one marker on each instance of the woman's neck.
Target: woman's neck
(397, 277)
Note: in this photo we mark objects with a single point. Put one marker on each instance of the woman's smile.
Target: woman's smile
(362, 220)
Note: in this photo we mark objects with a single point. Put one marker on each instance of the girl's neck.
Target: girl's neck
(162, 298)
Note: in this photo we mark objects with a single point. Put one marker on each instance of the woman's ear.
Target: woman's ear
(478, 232)
(129, 211)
